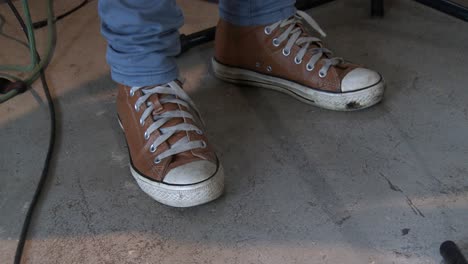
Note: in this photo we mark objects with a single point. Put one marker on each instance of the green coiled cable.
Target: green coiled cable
(34, 68)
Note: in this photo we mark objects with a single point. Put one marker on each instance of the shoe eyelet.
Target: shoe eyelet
(286, 52)
(269, 69)
(137, 108)
(142, 122)
(309, 67)
(147, 136)
(152, 148)
(132, 93)
(276, 42)
(157, 161)
(267, 30)
(203, 144)
(322, 74)
(199, 132)
(297, 60)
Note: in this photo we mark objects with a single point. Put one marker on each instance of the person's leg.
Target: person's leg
(170, 156)
(267, 43)
(142, 39)
(256, 12)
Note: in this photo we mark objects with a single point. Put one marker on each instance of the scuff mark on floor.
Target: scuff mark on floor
(395, 188)
(413, 207)
(391, 185)
(342, 220)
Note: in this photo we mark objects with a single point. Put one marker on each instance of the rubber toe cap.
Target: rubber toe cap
(191, 173)
(359, 78)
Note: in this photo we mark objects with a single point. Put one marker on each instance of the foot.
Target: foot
(170, 157)
(286, 57)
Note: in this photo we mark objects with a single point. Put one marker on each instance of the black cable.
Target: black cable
(43, 23)
(17, 15)
(45, 170)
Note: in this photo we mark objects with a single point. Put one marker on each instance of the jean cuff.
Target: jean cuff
(263, 19)
(131, 79)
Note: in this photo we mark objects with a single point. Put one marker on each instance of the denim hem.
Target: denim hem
(263, 19)
(130, 79)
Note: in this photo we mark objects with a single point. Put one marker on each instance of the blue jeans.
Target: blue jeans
(143, 36)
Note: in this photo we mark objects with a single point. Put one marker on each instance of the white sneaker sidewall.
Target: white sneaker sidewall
(184, 195)
(347, 101)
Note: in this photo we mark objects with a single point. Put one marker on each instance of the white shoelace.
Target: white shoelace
(175, 95)
(293, 35)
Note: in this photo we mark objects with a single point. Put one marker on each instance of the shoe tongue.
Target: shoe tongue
(158, 107)
(308, 32)
(162, 108)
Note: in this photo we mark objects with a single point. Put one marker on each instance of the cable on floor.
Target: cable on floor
(39, 71)
(43, 23)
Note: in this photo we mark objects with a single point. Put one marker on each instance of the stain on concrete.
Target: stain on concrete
(342, 220)
(405, 231)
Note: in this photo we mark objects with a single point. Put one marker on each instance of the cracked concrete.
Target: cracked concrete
(304, 185)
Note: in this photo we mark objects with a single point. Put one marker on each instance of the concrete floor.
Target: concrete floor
(304, 185)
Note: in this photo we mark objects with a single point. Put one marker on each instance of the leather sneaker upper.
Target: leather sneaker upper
(287, 49)
(164, 134)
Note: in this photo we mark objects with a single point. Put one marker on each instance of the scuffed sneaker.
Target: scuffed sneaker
(171, 158)
(285, 56)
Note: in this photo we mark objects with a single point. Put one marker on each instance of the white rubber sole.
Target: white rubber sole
(181, 195)
(347, 101)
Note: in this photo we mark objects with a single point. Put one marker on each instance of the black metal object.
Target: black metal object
(451, 253)
(446, 6)
(308, 4)
(377, 8)
(189, 41)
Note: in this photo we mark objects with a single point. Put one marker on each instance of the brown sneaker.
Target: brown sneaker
(285, 57)
(170, 156)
